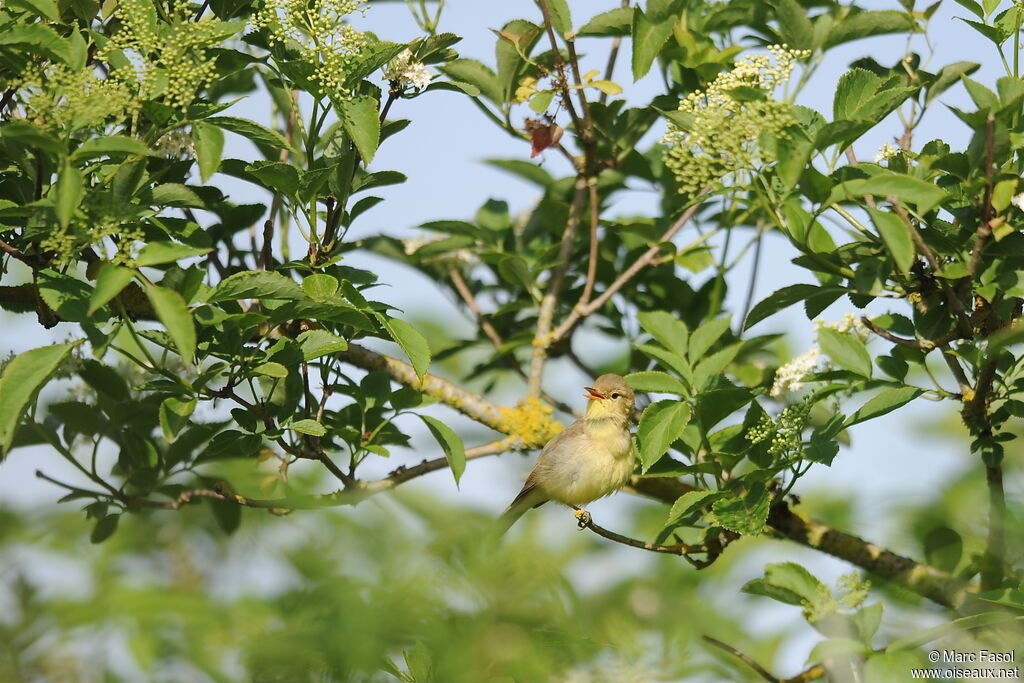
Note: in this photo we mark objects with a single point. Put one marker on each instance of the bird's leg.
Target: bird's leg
(582, 517)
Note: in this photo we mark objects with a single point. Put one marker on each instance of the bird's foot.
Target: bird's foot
(582, 518)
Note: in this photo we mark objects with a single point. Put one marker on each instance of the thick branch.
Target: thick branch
(919, 578)
(466, 402)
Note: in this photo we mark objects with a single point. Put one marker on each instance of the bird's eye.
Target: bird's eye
(615, 395)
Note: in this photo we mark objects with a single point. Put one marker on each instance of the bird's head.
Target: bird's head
(610, 397)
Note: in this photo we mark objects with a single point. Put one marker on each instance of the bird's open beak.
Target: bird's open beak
(593, 395)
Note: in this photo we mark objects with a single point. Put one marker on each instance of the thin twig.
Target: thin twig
(467, 297)
(545, 317)
(985, 224)
(588, 288)
(812, 673)
(645, 260)
(682, 549)
(560, 67)
(15, 253)
(752, 286)
(901, 341)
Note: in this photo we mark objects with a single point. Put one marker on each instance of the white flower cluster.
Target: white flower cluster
(790, 376)
(848, 323)
(175, 145)
(886, 152)
(407, 72)
(1018, 201)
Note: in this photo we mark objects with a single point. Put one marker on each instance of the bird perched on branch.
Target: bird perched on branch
(590, 459)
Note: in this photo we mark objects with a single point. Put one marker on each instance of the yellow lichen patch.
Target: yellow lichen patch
(968, 395)
(530, 421)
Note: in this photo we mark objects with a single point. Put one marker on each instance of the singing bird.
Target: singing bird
(590, 459)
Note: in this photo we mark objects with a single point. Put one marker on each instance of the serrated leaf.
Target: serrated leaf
(20, 383)
(667, 330)
(896, 236)
(156, 253)
(705, 336)
(451, 444)
(109, 283)
(276, 176)
(648, 38)
(846, 350)
(560, 17)
(906, 188)
(317, 343)
(885, 402)
(251, 130)
(307, 426)
(271, 369)
(660, 382)
(783, 298)
(170, 308)
(688, 503)
(320, 286)
(745, 515)
(477, 74)
(615, 22)
(66, 295)
(411, 340)
(174, 415)
(208, 141)
(360, 118)
(256, 285)
(661, 424)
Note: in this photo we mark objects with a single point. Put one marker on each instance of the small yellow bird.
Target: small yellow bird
(590, 459)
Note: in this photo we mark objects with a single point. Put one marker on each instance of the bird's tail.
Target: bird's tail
(529, 497)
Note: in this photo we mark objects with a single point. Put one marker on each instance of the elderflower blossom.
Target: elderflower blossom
(789, 377)
(724, 132)
(886, 152)
(77, 99)
(403, 70)
(1018, 201)
(785, 432)
(848, 323)
(175, 145)
(320, 32)
(171, 62)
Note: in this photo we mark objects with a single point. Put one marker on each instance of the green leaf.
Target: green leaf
(20, 383)
(783, 298)
(176, 194)
(896, 236)
(276, 176)
(46, 9)
(853, 93)
(648, 38)
(867, 24)
(360, 118)
(523, 169)
(320, 286)
(972, 6)
(615, 22)
(156, 253)
(271, 369)
(67, 296)
(109, 146)
(792, 584)
(109, 283)
(209, 143)
(41, 37)
(451, 444)
(411, 340)
(795, 27)
(660, 382)
(67, 193)
(256, 285)
(689, 503)
(948, 76)
(906, 188)
(746, 515)
(885, 402)
(661, 424)
(104, 529)
(251, 130)
(317, 343)
(307, 426)
(846, 350)
(174, 314)
(705, 336)
(560, 17)
(667, 330)
(29, 134)
(174, 415)
(943, 548)
(540, 102)
(478, 74)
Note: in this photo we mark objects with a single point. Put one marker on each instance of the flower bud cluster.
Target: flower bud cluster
(724, 136)
(319, 30)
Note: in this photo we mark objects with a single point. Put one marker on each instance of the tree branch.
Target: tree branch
(917, 577)
(711, 550)
(813, 673)
(580, 312)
